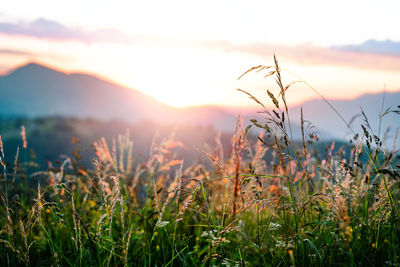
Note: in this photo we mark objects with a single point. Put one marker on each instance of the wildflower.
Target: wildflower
(274, 226)
(273, 189)
(280, 244)
(91, 203)
(161, 224)
(290, 251)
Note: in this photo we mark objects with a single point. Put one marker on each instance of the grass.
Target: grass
(299, 208)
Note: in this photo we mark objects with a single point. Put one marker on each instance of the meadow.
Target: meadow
(297, 206)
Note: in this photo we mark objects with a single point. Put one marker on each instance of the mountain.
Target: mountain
(35, 90)
(319, 113)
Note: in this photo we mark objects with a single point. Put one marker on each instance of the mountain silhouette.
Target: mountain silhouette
(34, 90)
(319, 113)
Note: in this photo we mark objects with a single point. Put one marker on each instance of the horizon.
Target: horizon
(249, 107)
(192, 54)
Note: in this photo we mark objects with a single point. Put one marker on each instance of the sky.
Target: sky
(191, 52)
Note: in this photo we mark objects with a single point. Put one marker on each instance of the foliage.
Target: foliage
(299, 207)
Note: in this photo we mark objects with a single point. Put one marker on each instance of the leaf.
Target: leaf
(262, 141)
(251, 97)
(272, 72)
(365, 119)
(387, 111)
(274, 100)
(246, 131)
(314, 248)
(392, 173)
(249, 70)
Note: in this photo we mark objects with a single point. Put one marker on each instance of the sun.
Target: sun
(179, 77)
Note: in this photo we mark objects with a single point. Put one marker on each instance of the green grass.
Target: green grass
(301, 208)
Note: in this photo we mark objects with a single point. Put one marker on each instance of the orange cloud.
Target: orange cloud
(310, 54)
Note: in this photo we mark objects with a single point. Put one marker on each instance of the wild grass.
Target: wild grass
(297, 207)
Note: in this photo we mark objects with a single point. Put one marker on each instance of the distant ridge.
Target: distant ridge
(35, 90)
(33, 67)
(323, 117)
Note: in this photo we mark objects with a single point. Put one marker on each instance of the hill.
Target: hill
(324, 118)
(34, 90)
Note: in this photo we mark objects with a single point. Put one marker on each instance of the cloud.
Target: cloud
(316, 55)
(386, 47)
(14, 52)
(47, 29)
(32, 55)
(372, 54)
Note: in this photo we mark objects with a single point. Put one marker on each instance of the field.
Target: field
(269, 201)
